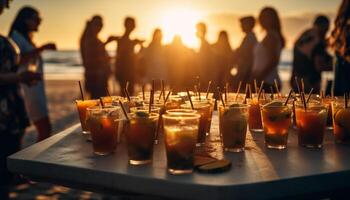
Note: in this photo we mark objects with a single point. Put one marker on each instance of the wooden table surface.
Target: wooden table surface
(66, 158)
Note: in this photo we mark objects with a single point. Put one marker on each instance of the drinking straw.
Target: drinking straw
(302, 85)
(255, 87)
(150, 101)
(127, 85)
(208, 88)
(246, 93)
(250, 90)
(226, 92)
(276, 85)
(309, 95)
(271, 89)
(332, 89)
(260, 89)
(238, 89)
(195, 89)
(297, 84)
(102, 104)
(163, 89)
(123, 109)
(109, 94)
(303, 99)
(220, 95)
(81, 91)
(346, 96)
(127, 94)
(189, 97)
(153, 85)
(199, 88)
(143, 92)
(167, 96)
(160, 95)
(289, 95)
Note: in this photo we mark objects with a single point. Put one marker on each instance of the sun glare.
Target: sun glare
(180, 22)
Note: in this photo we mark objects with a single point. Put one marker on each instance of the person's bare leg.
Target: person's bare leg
(43, 126)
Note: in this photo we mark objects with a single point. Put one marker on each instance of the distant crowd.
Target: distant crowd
(22, 89)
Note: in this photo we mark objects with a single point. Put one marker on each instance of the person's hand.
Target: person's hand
(49, 46)
(30, 78)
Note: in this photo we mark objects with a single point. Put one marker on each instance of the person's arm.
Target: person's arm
(27, 57)
(14, 78)
(111, 39)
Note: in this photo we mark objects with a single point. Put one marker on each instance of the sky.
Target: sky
(64, 20)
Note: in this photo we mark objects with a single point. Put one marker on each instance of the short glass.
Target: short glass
(104, 125)
(311, 124)
(254, 119)
(82, 105)
(180, 134)
(233, 122)
(341, 122)
(140, 131)
(276, 118)
(204, 110)
(173, 103)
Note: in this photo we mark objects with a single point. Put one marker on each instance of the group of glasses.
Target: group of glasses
(185, 124)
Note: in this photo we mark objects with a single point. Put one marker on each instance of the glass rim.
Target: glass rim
(241, 105)
(181, 110)
(109, 107)
(88, 100)
(195, 105)
(151, 115)
(185, 116)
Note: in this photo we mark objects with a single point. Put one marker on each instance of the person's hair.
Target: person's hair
(19, 24)
(270, 21)
(340, 37)
(223, 40)
(321, 20)
(201, 27)
(248, 22)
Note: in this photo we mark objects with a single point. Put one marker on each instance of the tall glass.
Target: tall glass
(180, 131)
(140, 131)
(276, 118)
(209, 101)
(104, 125)
(204, 110)
(341, 122)
(311, 124)
(82, 106)
(233, 122)
(254, 120)
(328, 102)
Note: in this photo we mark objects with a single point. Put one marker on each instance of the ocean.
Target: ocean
(68, 65)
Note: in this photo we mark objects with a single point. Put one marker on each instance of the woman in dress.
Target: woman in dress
(267, 52)
(24, 26)
(13, 118)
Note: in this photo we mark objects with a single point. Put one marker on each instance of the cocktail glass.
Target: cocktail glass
(341, 122)
(104, 126)
(254, 119)
(180, 131)
(82, 106)
(140, 131)
(233, 122)
(311, 124)
(276, 118)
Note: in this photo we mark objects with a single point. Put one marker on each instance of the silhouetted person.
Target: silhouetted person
(223, 59)
(95, 58)
(180, 64)
(340, 42)
(153, 60)
(267, 52)
(310, 55)
(126, 57)
(205, 57)
(13, 117)
(244, 54)
(22, 30)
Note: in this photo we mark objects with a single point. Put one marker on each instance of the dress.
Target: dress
(34, 96)
(13, 118)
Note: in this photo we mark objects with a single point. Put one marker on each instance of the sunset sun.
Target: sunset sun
(180, 22)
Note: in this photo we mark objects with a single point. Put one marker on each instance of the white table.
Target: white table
(66, 158)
